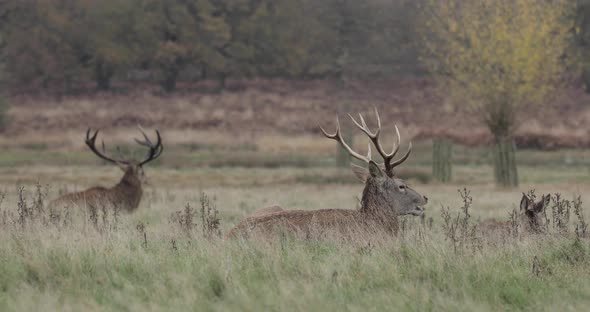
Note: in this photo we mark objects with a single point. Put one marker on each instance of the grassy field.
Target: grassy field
(148, 261)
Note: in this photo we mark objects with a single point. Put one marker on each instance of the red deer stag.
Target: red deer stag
(530, 219)
(384, 198)
(124, 196)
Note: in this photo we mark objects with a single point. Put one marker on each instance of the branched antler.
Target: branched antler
(388, 163)
(155, 150)
(91, 142)
(338, 137)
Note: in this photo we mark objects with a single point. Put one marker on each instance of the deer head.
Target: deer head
(533, 210)
(384, 192)
(133, 169)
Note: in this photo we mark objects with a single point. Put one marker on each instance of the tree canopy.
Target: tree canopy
(498, 55)
(61, 44)
(65, 44)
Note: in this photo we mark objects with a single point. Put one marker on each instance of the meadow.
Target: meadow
(162, 257)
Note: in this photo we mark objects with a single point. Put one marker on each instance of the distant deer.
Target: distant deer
(530, 218)
(124, 196)
(384, 198)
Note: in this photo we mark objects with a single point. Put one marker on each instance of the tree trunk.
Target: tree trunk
(103, 76)
(204, 72)
(505, 170)
(168, 82)
(442, 152)
(222, 81)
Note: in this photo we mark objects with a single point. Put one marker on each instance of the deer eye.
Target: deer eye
(402, 187)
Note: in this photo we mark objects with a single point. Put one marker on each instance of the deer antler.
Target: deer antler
(155, 150)
(338, 137)
(91, 142)
(388, 163)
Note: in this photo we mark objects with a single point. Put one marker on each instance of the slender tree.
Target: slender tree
(500, 57)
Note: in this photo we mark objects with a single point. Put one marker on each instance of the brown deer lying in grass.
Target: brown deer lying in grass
(384, 198)
(530, 219)
(124, 196)
(266, 210)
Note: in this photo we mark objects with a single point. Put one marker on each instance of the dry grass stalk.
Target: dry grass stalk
(209, 217)
(458, 229)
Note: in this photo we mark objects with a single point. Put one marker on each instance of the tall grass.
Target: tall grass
(146, 263)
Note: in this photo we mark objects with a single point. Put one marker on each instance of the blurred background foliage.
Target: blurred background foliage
(66, 45)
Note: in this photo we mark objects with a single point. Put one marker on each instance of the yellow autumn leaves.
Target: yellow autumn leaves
(497, 52)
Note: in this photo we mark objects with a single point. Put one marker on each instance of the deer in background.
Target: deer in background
(126, 194)
(530, 218)
(385, 197)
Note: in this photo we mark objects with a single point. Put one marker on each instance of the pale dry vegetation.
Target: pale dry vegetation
(277, 110)
(168, 254)
(238, 89)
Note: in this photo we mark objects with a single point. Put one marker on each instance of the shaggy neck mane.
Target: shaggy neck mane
(374, 202)
(129, 190)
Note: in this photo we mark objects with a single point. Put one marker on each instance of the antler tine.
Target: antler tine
(91, 142)
(338, 137)
(142, 143)
(378, 118)
(367, 127)
(147, 142)
(159, 151)
(91, 138)
(363, 126)
(335, 135)
(387, 157)
(401, 160)
(159, 143)
(155, 150)
(397, 144)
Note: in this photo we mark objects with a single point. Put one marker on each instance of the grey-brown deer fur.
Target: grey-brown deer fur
(385, 197)
(125, 195)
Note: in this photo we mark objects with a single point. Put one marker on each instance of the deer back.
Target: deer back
(308, 224)
(266, 210)
(90, 197)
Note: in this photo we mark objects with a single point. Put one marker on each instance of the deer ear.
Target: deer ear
(524, 202)
(547, 200)
(361, 173)
(374, 170)
(542, 204)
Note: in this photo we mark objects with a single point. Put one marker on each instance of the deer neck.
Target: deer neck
(128, 191)
(374, 203)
